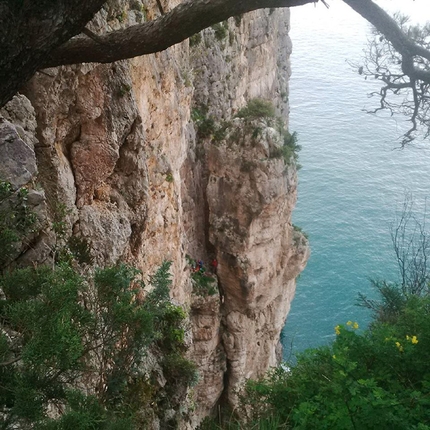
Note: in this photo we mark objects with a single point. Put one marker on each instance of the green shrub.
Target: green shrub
(195, 39)
(59, 215)
(169, 177)
(220, 131)
(203, 284)
(122, 16)
(391, 305)
(221, 30)
(205, 125)
(80, 249)
(263, 109)
(290, 148)
(63, 326)
(180, 370)
(16, 221)
(257, 108)
(300, 230)
(124, 89)
(378, 378)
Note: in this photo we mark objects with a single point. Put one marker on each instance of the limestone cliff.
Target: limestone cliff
(146, 161)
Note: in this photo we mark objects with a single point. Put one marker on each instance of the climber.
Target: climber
(214, 264)
(200, 266)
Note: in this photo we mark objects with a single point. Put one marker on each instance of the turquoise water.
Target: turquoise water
(353, 178)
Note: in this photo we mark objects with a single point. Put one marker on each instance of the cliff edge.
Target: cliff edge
(147, 160)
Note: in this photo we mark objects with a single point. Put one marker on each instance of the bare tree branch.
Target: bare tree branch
(387, 26)
(411, 244)
(398, 55)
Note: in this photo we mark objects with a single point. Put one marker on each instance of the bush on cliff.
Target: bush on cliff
(73, 346)
(16, 221)
(257, 108)
(378, 378)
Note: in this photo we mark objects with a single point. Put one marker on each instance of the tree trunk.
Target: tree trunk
(30, 30)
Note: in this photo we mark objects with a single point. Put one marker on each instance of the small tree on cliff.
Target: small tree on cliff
(36, 35)
(62, 331)
(73, 345)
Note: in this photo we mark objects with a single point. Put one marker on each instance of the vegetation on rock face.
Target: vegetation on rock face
(73, 347)
(289, 149)
(377, 378)
(205, 124)
(203, 284)
(62, 330)
(256, 111)
(221, 30)
(257, 108)
(374, 378)
(264, 110)
(300, 230)
(16, 221)
(195, 39)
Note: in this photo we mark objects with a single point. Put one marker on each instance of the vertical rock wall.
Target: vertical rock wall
(121, 152)
(251, 194)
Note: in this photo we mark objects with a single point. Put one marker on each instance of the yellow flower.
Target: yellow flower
(337, 330)
(399, 346)
(413, 339)
(352, 324)
(334, 357)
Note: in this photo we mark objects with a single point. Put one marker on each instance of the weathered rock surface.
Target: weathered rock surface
(251, 195)
(18, 164)
(123, 160)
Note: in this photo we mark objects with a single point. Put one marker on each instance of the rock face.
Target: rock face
(17, 130)
(251, 194)
(146, 161)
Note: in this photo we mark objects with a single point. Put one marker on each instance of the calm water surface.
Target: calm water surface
(353, 178)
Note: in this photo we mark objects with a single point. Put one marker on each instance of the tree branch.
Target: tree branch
(11, 361)
(387, 26)
(92, 35)
(183, 21)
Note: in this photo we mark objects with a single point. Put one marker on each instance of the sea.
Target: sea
(354, 177)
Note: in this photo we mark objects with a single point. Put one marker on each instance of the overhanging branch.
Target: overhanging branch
(387, 26)
(180, 23)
